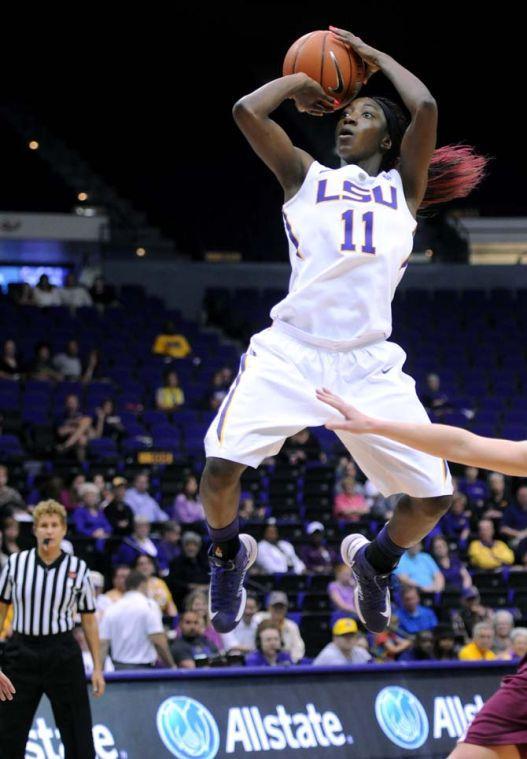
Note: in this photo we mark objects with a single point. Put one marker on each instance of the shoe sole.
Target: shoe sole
(251, 546)
(348, 549)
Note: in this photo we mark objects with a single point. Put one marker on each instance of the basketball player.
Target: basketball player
(350, 236)
(499, 731)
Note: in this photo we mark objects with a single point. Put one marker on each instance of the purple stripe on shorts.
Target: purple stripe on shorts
(221, 422)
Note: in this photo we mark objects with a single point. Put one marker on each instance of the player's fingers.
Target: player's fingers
(337, 426)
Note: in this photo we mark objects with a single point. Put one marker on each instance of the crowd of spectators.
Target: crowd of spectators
(159, 577)
(148, 549)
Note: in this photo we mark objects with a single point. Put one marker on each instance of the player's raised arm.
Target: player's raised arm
(452, 443)
(419, 140)
(268, 140)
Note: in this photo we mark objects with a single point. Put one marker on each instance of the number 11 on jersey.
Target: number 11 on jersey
(348, 244)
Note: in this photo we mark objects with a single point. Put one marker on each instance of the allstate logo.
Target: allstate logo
(187, 728)
(401, 717)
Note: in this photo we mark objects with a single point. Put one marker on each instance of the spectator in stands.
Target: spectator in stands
(455, 573)
(102, 294)
(418, 568)
(107, 422)
(187, 507)
(480, 648)
(45, 294)
(156, 588)
(503, 624)
(133, 629)
(116, 592)
(342, 591)
(75, 429)
(191, 570)
(8, 495)
(242, 638)
(422, 649)
(275, 555)
(10, 536)
(170, 343)
(170, 543)
(93, 366)
(518, 648)
(248, 511)
(69, 497)
(68, 363)
(455, 524)
(487, 552)
(198, 601)
(191, 647)
(301, 448)
(170, 397)
(316, 556)
(10, 365)
(74, 295)
(471, 612)
(350, 502)
(88, 519)
(270, 649)
(140, 543)
(434, 399)
(445, 647)
(475, 489)
(22, 294)
(277, 606)
(117, 511)
(514, 522)
(220, 385)
(142, 503)
(392, 642)
(498, 500)
(41, 367)
(343, 648)
(413, 617)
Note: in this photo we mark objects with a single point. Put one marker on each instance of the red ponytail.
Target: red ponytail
(455, 170)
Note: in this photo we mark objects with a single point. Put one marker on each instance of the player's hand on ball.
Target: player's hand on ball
(311, 98)
(369, 54)
(7, 689)
(354, 421)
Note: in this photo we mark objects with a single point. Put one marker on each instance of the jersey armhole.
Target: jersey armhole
(297, 193)
(403, 196)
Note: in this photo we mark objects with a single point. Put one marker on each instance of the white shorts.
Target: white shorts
(273, 397)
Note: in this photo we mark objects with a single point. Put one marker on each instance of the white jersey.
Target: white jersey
(350, 236)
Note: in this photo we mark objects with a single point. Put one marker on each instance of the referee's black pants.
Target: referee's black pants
(50, 664)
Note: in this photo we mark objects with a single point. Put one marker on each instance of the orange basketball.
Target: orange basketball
(325, 59)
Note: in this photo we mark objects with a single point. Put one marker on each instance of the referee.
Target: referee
(46, 588)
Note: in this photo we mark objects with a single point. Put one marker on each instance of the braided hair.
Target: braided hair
(454, 171)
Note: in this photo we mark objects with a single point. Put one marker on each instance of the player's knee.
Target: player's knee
(436, 506)
(220, 473)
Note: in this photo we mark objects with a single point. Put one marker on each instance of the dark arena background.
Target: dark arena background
(126, 183)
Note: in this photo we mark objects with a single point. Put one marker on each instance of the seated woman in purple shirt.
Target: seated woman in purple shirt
(453, 570)
(342, 593)
(455, 524)
(268, 647)
(187, 508)
(88, 519)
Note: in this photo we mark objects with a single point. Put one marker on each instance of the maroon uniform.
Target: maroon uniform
(503, 719)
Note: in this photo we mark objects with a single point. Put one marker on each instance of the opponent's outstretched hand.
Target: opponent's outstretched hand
(369, 54)
(7, 689)
(354, 420)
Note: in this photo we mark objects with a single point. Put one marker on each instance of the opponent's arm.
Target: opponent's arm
(268, 140)
(419, 140)
(452, 443)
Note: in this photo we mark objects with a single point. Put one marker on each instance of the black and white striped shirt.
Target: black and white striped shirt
(45, 597)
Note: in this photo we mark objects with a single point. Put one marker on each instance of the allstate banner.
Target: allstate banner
(357, 712)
